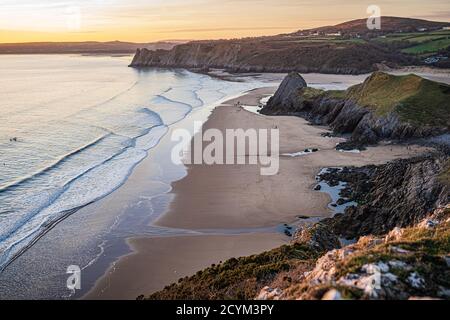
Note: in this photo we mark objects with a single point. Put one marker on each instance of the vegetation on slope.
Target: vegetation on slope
(417, 43)
(433, 45)
(415, 99)
(309, 93)
(389, 25)
(239, 278)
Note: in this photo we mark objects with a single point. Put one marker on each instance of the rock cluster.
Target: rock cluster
(318, 237)
(397, 194)
(287, 94)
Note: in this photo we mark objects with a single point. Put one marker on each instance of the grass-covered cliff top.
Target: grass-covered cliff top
(415, 99)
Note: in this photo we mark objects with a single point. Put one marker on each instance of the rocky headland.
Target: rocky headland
(346, 48)
(270, 56)
(385, 106)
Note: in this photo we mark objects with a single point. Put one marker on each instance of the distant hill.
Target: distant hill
(89, 47)
(388, 25)
(347, 48)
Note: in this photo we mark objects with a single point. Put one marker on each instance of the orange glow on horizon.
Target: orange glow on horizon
(156, 20)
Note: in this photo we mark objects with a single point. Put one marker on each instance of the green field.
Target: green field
(421, 42)
(429, 46)
(414, 36)
(427, 38)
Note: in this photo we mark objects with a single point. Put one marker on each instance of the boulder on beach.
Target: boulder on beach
(287, 94)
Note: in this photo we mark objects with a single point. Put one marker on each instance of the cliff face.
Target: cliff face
(383, 107)
(398, 194)
(365, 125)
(271, 55)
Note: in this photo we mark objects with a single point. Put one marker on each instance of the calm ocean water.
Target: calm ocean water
(72, 128)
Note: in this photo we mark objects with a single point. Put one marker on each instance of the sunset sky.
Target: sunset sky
(152, 20)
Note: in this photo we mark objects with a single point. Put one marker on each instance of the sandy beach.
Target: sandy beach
(223, 203)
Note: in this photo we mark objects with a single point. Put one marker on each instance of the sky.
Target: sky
(155, 20)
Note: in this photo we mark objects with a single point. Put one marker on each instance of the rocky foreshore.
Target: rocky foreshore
(397, 194)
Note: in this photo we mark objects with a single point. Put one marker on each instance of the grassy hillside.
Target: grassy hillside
(415, 99)
(389, 25)
(240, 278)
(418, 43)
(431, 45)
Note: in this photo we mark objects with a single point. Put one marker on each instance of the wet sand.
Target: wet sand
(229, 197)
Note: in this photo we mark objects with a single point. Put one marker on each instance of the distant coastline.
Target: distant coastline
(87, 47)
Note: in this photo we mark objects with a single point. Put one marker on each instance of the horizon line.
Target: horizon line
(294, 29)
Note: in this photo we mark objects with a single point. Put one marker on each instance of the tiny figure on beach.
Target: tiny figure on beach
(13, 139)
